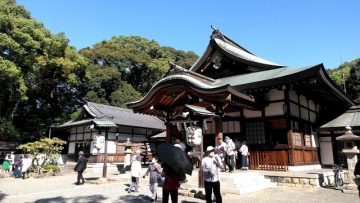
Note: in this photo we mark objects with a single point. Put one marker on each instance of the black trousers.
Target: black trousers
(212, 186)
(173, 194)
(80, 176)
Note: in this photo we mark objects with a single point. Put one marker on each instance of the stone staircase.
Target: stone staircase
(234, 183)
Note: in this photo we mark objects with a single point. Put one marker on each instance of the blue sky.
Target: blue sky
(292, 33)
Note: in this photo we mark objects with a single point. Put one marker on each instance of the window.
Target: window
(297, 139)
(307, 140)
(255, 132)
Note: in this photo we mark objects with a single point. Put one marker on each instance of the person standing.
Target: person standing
(221, 146)
(244, 156)
(154, 172)
(6, 164)
(80, 168)
(230, 153)
(135, 174)
(182, 145)
(18, 166)
(171, 184)
(210, 166)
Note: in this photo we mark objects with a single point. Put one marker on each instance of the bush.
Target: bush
(50, 167)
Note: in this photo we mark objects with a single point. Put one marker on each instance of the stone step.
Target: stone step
(235, 183)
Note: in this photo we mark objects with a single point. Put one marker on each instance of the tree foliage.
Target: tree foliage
(347, 77)
(41, 76)
(50, 148)
(139, 61)
(353, 81)
(44, 81)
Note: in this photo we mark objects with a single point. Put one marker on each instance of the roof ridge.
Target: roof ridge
(219, 35)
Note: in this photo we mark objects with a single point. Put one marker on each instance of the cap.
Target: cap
(209, 148)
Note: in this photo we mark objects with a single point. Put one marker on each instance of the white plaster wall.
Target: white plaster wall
(326, 151)
(111, 136)
(275, 109)
(274, 94)
(233, 114)
(312, 105)
(252, 114)
(294, 110)
(73, 130)
(123, 136)
(71, 149)
(312, 117)
(139, 138)
(293, 96)
(304, 113)
(111, 147)
(303, 100)
(87, 136)
(225, 127)
(79, 137)
(72, 137)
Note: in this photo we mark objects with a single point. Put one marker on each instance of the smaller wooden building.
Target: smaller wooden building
(331, 150)
(98, 123)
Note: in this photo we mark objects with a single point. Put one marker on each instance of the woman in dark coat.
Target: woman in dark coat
(80, 167)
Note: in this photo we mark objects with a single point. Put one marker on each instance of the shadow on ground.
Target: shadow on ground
(92, 198)
(2, 196)
(141, 198)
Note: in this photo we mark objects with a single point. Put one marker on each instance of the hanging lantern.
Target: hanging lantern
(194, 135)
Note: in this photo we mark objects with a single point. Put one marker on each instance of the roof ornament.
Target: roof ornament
(216, 33)
(174, 69)
(217, 62)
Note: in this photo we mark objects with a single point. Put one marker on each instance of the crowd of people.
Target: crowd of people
(222, 157)
(17, 166)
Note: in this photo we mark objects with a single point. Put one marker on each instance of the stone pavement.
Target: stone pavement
(58, 189)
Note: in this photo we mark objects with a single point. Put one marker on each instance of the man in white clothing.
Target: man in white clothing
(230, 153)
(221, 146)
(244, 156)
(135, 174)
(210, 166)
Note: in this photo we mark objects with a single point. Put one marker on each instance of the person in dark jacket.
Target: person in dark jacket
(80, 167)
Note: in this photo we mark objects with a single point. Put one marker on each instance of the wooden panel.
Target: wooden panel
(269, 160)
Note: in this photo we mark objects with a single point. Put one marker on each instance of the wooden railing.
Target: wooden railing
(269, 160)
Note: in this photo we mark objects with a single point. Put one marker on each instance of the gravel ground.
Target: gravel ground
(58, 189)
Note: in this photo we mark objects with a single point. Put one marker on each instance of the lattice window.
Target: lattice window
(255, 132)
(297, 139)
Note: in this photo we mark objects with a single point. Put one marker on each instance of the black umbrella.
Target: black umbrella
(176, 158)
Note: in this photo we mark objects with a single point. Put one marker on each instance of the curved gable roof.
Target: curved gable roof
(224, 45)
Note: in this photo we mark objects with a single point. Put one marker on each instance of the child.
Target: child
(154, 172)
(135, 174)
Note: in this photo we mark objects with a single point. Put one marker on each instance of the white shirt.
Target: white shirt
(210, 168)
(230, 147)
(244, 150)
(136, 169)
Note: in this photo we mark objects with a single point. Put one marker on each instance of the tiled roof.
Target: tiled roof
(350, 118)
(258, 77)
(107, 115)
(238, 52)
(123, 116)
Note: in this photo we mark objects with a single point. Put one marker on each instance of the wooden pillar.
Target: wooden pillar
(168, 133)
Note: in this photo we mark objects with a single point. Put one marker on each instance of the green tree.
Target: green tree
(353, 81)
(48, 148)
(140, 62)
(42, 77)
(340, 75)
